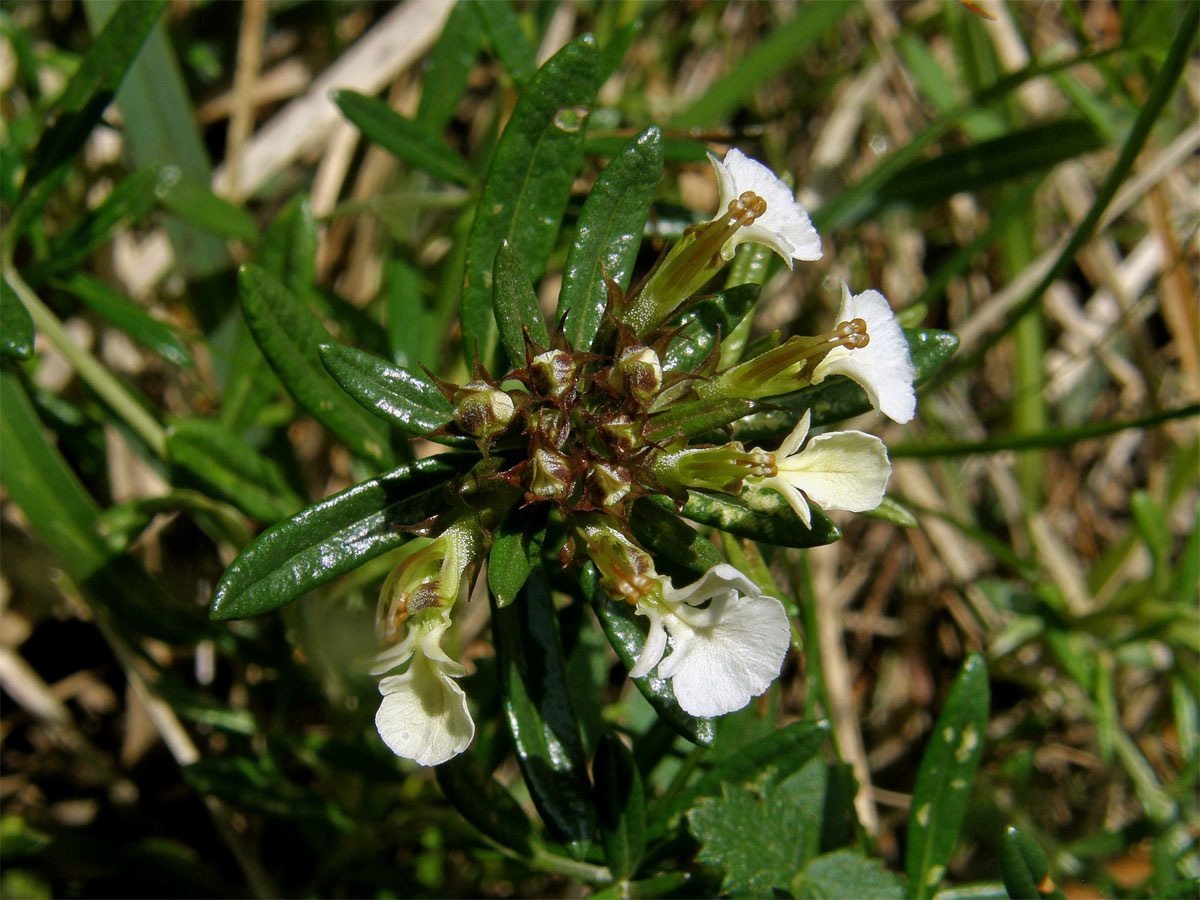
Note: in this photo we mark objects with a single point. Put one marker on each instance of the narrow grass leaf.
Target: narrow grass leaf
(192, 201)
(450, 62)
(529, 182)
(332, 537)
(608, 235)
(506, 38)
(16, 327)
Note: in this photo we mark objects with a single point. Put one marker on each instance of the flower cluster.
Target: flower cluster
(584, 432)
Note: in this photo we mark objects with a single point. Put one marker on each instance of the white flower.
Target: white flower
(883, 368)
(784, 226)
(722, 655)
(423, 716)
(838, 470)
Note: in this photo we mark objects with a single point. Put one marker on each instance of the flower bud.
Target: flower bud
(553, 373)
(551, 475)
(608, 484)
(481, 410)
(638, 372)
(621, 432)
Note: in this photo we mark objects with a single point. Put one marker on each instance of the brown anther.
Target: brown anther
(762, 464)
(853, 334)
(746, 209)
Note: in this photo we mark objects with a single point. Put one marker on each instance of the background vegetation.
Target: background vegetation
(1028, 181)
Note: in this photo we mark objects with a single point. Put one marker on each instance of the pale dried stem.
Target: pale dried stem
(249, 64)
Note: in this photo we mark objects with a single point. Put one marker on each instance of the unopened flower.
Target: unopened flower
(838, 470)
(883, 367)
(783, 225)
(722, 654)
(423, 716)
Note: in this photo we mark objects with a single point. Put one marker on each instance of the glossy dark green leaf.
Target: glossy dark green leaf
(529, 182)
(484, 802)
(837, 398)
(617, 46)
(332, 537)
(537, 705)
(1023, 865)
(699, 417)
(627, 636)
(989, 163)
(450, 62)
(235, 470)
(290, 337)
(122, 313)
(516, 549)
(944, 779)
(774, 757)
(660, 530)
(506, 38)
(403, 137)
(769, 519)
(515, 305)
(620, 806)
(405, 399)
(674, 150)
(16, 328)
(84, 100)
(701, 324)
(63, 516)
(193, 201)
(608, 235)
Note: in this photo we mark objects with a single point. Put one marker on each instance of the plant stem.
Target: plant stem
(98, 378)
(560, 865)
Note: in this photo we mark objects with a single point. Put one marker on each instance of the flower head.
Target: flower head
(883, 366)
(723, 654)
(423, 716)
(838, 470)
(783, 225)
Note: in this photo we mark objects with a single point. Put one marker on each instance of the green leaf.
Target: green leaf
(944, 779)
(332, 537)
(699, 417)
(762, 516)
(87, 95)
(122, 313)
(506, 38)
(403, 137)
(290, 337)
(661, 531)
(235, 470)
(405, 399)
(980, 890)
(627, 637)
(890, 510)
(846, 874)
(484, 802)
(193, 201)
(516, 548)
(785, 44)
(837, 398)
(620, 805)
(16, 327)
(768, 761)
(674, 149)
(702, 323)
(608, 235)
(515, 305)
(538, 707)
(529, 182)
(1023, 865)
(450, 62)
(761, 838)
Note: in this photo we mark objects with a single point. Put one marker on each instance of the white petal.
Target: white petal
(792, 442)
(785, 226)
(720, 579)
(884, 367)
(840, 470)
(718, 669)
(656, 641)
(424, 716)
(396, 655)
(792, 495)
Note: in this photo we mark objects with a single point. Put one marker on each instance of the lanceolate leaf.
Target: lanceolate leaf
(767, 518)
(232, 467)
(290, 336)
(16, 327)
(332, 537)
(609, 234)
(944, 779)
(193, 201)
(627, 636)
(659, 529)
(621, 805)
(484, 802)
(698, 417)
(406, 399)
(516, 547)
(529, 182)
(402, 137)
(515, 305)
(837, 398)
(506, 38)
(538, 706)
(700, 325)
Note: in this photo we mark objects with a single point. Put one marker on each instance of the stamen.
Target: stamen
(762, 464)
(853, 334)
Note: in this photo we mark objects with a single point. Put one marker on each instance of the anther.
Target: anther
(853, 334)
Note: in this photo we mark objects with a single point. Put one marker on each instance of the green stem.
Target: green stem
(98, 378)
(561, 865)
